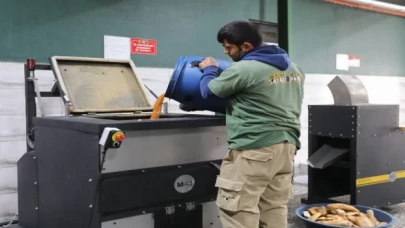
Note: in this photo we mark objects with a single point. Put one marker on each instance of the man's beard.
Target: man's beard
(241, 53)
(238, 57)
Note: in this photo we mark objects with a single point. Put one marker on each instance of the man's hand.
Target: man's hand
(209, 61)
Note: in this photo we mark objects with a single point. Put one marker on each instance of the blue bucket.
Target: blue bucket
(184, 85)
(380, 215)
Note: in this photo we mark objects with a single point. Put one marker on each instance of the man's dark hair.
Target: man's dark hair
(239, 32)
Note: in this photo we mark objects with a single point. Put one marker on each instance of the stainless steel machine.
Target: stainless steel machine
(107, 165)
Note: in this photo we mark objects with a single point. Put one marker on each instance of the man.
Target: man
(264, 92)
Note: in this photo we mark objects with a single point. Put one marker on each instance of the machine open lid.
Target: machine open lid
(97, 85)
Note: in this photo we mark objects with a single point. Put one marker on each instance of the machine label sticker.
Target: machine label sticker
(393, 176)
(170, 210)
(184, 183)
(190, 206)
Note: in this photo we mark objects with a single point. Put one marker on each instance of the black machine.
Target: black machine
(107, 165)
(355, 149)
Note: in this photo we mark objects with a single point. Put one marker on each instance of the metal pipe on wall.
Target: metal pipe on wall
(262, 9)
(282, 21)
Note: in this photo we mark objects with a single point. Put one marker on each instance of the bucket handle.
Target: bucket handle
(195, 63)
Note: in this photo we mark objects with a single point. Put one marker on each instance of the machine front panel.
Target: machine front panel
(167, 147)
(210, 219)
(365, 157)
(144, 221)
(140, 191)
(380, 161)
(332, 121)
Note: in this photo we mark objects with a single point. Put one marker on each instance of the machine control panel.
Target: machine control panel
(112, 137)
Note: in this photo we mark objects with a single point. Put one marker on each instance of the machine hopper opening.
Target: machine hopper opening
(326, 156)
(329, 159)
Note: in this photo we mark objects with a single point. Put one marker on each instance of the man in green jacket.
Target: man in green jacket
(264, 93)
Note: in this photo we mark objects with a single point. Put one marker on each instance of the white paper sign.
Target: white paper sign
(342, 62)
(116, 47)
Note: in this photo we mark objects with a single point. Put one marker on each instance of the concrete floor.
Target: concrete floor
(300, 190)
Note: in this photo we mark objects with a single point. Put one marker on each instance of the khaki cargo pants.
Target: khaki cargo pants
(255, 186)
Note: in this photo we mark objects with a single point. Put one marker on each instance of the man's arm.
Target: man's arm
(209, 73)
(226, 84)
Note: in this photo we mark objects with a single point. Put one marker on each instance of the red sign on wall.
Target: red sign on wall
(143, 46)
(354, 61)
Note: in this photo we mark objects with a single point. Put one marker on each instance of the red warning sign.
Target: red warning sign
(143, 46)
(354, 61)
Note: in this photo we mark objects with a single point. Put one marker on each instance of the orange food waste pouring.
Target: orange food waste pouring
(157, 107)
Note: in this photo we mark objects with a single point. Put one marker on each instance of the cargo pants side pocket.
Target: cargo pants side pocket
(228, 194)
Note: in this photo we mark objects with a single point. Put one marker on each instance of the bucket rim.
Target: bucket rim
(181, 63)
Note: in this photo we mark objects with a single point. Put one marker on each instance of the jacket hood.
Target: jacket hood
(269, 54)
